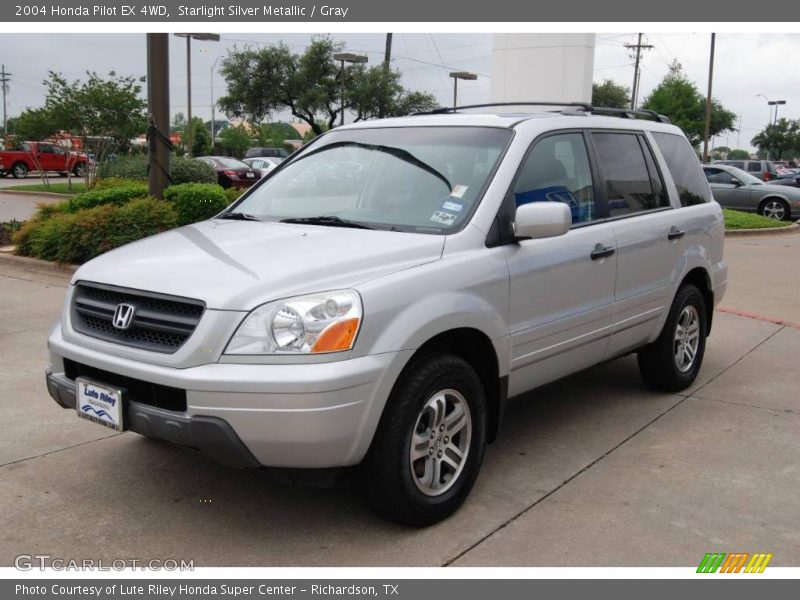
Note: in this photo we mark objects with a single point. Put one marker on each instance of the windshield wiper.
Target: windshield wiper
(328, 220)
(238, 216)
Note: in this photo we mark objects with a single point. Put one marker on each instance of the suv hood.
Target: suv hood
(237, 265)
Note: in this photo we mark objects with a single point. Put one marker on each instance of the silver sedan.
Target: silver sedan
(737, 189)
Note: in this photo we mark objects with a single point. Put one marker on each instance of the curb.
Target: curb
(32, 193)
(787, 230)
(34, 265)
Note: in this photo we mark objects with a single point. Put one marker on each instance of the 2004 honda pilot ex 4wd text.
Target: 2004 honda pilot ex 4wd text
(377, 297)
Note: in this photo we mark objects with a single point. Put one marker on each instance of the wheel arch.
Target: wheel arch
(700, 278)
(475, 347)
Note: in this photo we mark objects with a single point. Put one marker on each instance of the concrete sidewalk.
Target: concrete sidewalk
(591, 470)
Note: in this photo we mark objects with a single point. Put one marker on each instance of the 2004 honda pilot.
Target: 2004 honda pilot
(380, 295)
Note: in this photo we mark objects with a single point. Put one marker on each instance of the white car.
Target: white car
(263, 164)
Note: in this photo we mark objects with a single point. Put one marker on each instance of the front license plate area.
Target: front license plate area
(99, 403)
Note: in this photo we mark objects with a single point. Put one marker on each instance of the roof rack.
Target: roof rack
(584, 107)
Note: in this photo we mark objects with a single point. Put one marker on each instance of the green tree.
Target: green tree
(309, 85)
(738, 154)
(679, 99)
(235, 140)
(610, 94)
(779, 140)
(34, 124)
(201, 138)
(178, 123)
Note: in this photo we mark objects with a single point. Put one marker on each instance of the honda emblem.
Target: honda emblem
(123, 316)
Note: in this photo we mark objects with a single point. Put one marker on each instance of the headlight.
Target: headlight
(316, 323)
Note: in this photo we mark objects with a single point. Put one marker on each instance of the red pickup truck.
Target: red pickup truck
(50, 157)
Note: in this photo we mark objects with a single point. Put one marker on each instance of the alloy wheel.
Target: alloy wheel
(687, 338)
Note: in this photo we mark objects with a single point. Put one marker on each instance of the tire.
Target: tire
(410, 490)
(775, 208)
(671, 363)
(80, 170)
(62, 174)
(19, 170)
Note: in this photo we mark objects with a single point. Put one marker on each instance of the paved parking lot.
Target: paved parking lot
(592, 470)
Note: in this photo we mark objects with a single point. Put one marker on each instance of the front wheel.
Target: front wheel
(672, 362)
(429, 445)
(80, 170)
(775, 208)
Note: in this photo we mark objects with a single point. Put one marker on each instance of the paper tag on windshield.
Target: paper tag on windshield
(442, 217)
(459, 190)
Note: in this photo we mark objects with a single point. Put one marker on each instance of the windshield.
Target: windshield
(418, 179)
(230, 163)
(744, 176)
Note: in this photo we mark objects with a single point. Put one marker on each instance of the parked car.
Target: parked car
(763, 169)
(384, 321)
(261, 152)
(733, 188)
(263, 165)
(50, 157)
(231, 172)
(792, 178)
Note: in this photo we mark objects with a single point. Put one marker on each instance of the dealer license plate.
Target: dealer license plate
(99, 403)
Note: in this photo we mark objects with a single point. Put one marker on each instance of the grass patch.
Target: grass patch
(736, 219)
(55, 188)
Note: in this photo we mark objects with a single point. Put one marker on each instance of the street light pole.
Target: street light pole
(456, 75)
(707, 129)
(346, 57)
(207, 37)
(777, 103)
(213, 103)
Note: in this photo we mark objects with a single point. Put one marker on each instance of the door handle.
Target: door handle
(675, 233)
(601, 251)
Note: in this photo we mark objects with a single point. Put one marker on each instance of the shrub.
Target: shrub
(78, 237)
(184, 170)
(196, 201)
(232, 194)
(21, 237)
(112, 182)
(113, 195)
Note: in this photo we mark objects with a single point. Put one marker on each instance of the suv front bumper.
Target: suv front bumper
(310, 415)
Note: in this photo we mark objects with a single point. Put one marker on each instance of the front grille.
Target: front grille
(160, 323)
(152, 394)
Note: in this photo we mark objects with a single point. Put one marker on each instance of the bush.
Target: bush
(78, 237)
(113, 195)
(112, 182)
(232, 194)
(184, 170)
(196, 201)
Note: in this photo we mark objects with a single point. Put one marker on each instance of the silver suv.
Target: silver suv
(381, 294)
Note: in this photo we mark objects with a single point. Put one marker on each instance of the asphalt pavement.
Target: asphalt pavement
(593, 470)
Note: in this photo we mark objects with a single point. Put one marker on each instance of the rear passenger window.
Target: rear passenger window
(754, 167)
(557, 170)
(685, 168)
(628, 181)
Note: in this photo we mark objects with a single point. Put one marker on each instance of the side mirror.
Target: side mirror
(542, 220)
(735, 182)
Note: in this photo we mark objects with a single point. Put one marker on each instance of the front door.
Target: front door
(562, 288)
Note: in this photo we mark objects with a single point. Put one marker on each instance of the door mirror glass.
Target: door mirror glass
(735, 182)
(542, 220)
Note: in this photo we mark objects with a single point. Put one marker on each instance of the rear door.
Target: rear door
(562, 288)
(648, 236)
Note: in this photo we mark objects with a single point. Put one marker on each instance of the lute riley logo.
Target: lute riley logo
(738, 562)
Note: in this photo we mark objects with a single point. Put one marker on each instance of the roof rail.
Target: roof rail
(451, 109)
(624, 113)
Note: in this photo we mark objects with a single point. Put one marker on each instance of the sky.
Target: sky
(745, 65)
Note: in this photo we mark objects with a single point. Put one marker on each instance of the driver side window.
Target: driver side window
(557, 170)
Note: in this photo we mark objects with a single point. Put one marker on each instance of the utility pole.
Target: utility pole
(638, 47)
(158, 109)
(708, 99)
(4, 79)
(387, 56)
